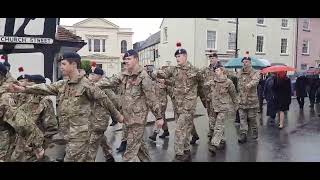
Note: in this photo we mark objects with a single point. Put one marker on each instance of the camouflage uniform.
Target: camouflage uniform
(204, 93)
(137, 94)
(99, 126)
(76, 97)
(224, 99)
(169, 84)
(247, 83)
(185, 86)
(26, 131)
(161, 94)
(7, 135)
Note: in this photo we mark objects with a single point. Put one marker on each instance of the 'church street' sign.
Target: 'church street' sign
(25, 40)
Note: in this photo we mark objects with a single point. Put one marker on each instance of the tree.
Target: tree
(86, 65)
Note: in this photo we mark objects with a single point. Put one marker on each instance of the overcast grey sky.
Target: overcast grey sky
(142, 27)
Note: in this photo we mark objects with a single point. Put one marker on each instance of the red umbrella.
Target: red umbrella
(277, 68)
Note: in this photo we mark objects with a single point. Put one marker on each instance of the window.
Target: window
(259, 43)
(304, 66)
(306, 24)
(157, 53)
(211, 39)
(284, 23)
(260, 20)
(96, 44)
(232, 41)
(305, 47)
(103, 45)
(123, 46)
(165, 34)
(89, 45)
(284, 45)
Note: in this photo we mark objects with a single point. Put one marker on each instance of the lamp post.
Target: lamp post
(237, 27)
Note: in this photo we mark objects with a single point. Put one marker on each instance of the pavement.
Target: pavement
(297, 142)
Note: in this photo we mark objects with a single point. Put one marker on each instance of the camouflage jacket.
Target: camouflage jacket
(137, 93)
(207, 74)
(20, 119)
(223, 94)
(100, 114)
(186, 80)
(5, 81)
(247, 84)
(42, 112)
(76, 98)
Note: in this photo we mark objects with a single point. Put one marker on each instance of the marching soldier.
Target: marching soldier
(248, 80)
(76, 95)
(137, 95)
(185, 86)
(223, 100)
(208, 73)
(101, 122)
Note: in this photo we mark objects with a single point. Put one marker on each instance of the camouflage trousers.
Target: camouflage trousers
(184, 126)
(21, 153)
(136, 148)
(163, 115)
(218, 128)
(124, 133)
(211, 114)
(77, 151)
(5, 145)
(248, 120)
(96, 139)
(212, 118)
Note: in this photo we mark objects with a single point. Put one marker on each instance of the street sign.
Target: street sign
(17, 33)
(25, 40)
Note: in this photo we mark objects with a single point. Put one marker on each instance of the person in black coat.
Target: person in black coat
(312, 88)
(301, 92)
(269, 95)
(260, 89)
(282, 90)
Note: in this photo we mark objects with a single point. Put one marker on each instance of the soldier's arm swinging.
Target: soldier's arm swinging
(152, 100)
(96, 94)
(234, 95)
(165, 73)
(114, 81)
(255, 80)
(45, 89)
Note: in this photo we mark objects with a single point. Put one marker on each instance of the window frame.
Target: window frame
(216, 39)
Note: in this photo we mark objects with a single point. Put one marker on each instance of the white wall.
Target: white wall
(179, 29)
(248, 31)
(32, 63)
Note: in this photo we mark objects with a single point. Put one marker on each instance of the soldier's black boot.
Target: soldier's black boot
(222, 145)
(178, 158)
(188, 154)
(164, 134)
(153, 137)
(243, 138)
(255, 134)
(212, 149)
(182, 158)
(113, 123)
(109, 158)
(122, 146)
(194, 139)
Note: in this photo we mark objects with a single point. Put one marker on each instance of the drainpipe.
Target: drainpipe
(194, 43)
(297, 31)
